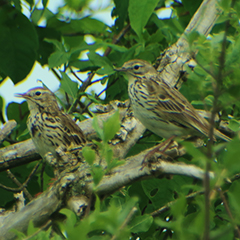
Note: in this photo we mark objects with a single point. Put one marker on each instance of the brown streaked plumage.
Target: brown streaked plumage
(161, 108)
(49, 127)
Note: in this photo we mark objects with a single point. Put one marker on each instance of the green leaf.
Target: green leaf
(231, 157)
(76, 5)
(71, 219)
(234, 53)
(179, 207)
(192, 37)
(114, 46)
(120, 12)
(233, 196)
(117, 89)
(161, 191)
(17, 4)
(89, 155)
(97, 173)
(92, 98)
(84, 25)
(83, 65)
(36, 15)
(159, 196)
(22, 136)
(44, 3)
(31, 229)
(97, 205)
(107, 70)
(197, 154)
(111, 126)
(97, 128)
(193, 6)
(58, 58)
(75, 42)
(56, 43)
(88, 25)
(19, 38)
(69, 86)
(102, 62)
(139, 13)
(234, 125)
(108, 154)
(114, 163)
(18, 112)
(141, 223)
(20, 235)
(46, 48)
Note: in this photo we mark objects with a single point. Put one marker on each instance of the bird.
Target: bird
(48, 126)
(161, 108)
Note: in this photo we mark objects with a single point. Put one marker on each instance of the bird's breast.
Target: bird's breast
(144, 108)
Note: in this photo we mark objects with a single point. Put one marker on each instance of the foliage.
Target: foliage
(106, 133)
(59, 45)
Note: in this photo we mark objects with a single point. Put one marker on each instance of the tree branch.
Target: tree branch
(40, 209)
(176, 56)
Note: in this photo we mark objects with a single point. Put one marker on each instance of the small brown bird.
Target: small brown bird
(161, 108)
(49, 127)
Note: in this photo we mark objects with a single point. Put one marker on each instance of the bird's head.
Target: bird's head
(137, 68)
(40, 98)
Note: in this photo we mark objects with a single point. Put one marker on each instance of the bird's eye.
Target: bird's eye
(136, 67)
(38, 93)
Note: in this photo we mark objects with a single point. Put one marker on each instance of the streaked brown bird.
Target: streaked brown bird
(161, 108)
(49, 127)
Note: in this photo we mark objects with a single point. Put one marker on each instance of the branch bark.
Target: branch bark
(176, 56)
(40, 209)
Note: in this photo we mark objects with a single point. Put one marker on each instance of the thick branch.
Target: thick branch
(7, 129)
(176, 56)
(40, 209)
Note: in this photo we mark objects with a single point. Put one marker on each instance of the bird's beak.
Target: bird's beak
(120, 69)
(21, 95)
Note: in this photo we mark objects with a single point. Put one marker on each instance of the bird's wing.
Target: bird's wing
(72, 132)
(173, 107)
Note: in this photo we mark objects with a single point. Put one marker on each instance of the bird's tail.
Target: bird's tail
(221, 135)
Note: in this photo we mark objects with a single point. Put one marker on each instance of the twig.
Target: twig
(96, 81)
(111, 84)
(56, 74)
(99, 94)
(235, 177)
(22, 187)
(228, 210)
(87, 83)
(128, 218)
(14, 179)
(10, 189)
(76, 76)
(117, 38)
(84, 86)
(169, 204)
(44, 227)
(41, 176)
(209, 72)
(31, 174)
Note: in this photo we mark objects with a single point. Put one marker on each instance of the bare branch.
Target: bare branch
(7, 129)
(176, 56)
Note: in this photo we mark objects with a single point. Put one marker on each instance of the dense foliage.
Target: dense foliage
(137, 33)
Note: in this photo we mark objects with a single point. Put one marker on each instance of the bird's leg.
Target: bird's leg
(164, 144)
